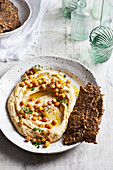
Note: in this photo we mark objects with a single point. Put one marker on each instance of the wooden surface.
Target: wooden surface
(55, 40)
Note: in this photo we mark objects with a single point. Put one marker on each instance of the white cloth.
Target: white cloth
(14, 47)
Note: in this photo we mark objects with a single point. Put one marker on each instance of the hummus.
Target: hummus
(41, 103)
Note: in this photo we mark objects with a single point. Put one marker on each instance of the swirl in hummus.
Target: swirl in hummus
(40, 105)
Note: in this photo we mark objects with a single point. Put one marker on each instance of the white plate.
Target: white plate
(24, 13)
(13, 76)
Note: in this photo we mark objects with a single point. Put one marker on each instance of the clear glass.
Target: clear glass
(97, 7)
(80, 22)
(68, 6)
(107, 14)
(101, 41)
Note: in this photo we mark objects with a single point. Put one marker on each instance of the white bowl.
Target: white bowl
(24, 13)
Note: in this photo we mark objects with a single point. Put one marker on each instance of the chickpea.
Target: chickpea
(26, 82)
(62, 95)
(34, 71)
(26, 78)
(33, 81)
(39, 118)
(43, 139)
(33, 140)
(46, 144)
(54, 122)
(45, 81)
(57, 104)
(42, 125)
(38, 101)
(56, 94)
(30, 106)
(43, 86)
(22, 84)
(44, 119)
(30, 85)
(58, 85)
(40, 81)
(25, 116)
(68, 85)
(50, 139)
(45, 114)
(34, 118)
(22, 103)
(61, 87)
(21, 112)
(68, 81)
(20, 122)
(52, 86)
(39, 140)
(32, 99)
(49, 102)
(28, 138)
(30, 76)
(49, 132)
(49, 126)
(53, 101)
(56, 90)
(40, 108)
(27, 72)
(35, 106)
(45, 105)
(31, 72)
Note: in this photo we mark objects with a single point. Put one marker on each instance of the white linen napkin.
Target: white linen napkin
(14, 47)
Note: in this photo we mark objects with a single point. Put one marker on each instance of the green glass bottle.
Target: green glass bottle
(80, 22)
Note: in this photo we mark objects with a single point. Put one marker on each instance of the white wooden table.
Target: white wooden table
(56, 41)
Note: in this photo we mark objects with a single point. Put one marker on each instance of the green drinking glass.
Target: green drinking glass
(101, 41)
(68, 6)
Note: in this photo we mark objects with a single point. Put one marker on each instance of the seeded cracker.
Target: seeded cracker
(86, 117)
(8, 16)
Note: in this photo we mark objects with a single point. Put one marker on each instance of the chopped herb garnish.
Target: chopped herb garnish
(32, 88)
(23, 78)
(53, 79)
(23, 108)
(26, 110)
(35, 68)
(39, 129)
(30, 111)
(47, 108)
(38, 146)
(59, 71)
(37, 143)
(64, 76)
(40, 67)
(65, 101)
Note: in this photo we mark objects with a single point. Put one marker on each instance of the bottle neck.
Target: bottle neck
(82, 6)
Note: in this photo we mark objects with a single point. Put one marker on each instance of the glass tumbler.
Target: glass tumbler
(101, 41)
(107, 14)
(68, 6)
(97, 7)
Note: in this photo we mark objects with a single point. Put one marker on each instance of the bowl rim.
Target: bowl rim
(15, 30)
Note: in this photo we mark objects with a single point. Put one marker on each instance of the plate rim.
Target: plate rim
(28, 60)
